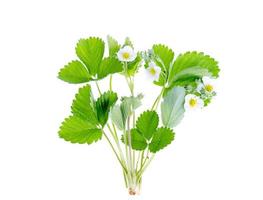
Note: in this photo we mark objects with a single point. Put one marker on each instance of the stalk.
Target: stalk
(145, 161)
(120, 158)
(116, 154)
(110, 82)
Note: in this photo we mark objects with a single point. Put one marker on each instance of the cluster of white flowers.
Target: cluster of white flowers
(195, 100)
(205, 90)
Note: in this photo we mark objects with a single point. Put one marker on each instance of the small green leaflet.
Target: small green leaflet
(134, 66)
(138, 142)
(119, 113)
(83, 105)
(161, 138)
(90, 51)
(172, 107)
(113, 45)
(103, 106)
(74, 72)
(133, 102)
(109, 65)
(77, 130)
(147, 123)
(117, 117)
(192, 64)
(164, 55)
(197, 72)
(128, 42)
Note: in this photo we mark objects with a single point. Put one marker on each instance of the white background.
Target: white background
(217, 154)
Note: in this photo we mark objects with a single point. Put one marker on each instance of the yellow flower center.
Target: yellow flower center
(152, 71)
(209, 88)
(126, 55)
(192, 102)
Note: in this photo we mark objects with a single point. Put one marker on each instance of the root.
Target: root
(132, 191)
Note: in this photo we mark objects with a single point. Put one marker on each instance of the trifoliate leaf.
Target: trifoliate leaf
(172, 107)
(74, 72)
(147, 123)
(161, 138)
(138, 142)
(114, 47)
(164, 56)
(83, 105)
(193, 59)
(109, 65)
(90, 51)
(103, 106)
(77, 130)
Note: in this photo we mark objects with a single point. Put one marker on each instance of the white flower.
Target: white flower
(153, 71)
(193, 102)
(126, 54)
(208, 84)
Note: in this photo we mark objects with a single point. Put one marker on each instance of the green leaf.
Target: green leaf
(77, 130)
(90, 51)
(74, 72)
(189, 60)
(183, 82)
(114, 47)
(138, 142)
(188, 76)
(119, 113)
(83, 105)
(128, 42)
(133, 67)
(172, 107)
(197, 72)
(147, 123)
(103, 106)
(164, 56)
(162, 79)
(134, 102)
(161, 138)
(109, 65)
(117, 117)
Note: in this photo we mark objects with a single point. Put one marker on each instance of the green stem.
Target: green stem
(98, 87)
(144, 163)
(116, 139)
(139, 174)
(157, 100)
(130, 147)
(110, 82)
(116, 154)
